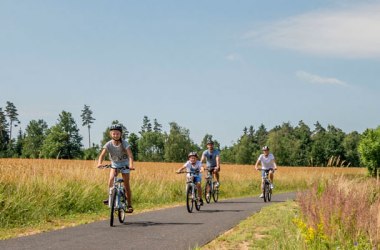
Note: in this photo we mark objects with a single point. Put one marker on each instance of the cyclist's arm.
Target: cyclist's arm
(180, 169)
(130, 156)
(101, 156)
(202, 158)
(257, 164)
(217, 161)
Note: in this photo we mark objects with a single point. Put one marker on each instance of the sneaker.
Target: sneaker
(207, 196)
(216, 184)
(201, 202)
(271, 186)
(105, 202)
(261, 196)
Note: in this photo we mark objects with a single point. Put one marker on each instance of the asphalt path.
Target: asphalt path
(171, 228)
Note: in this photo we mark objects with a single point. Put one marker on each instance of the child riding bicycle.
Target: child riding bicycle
(268, 165)
(121, 156)
(195, 166)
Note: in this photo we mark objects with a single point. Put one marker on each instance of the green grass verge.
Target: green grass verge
(271, 228)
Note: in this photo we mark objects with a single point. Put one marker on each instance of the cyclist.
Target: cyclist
(194, 165)
(268, 165)
(121, 156)
(212, 158)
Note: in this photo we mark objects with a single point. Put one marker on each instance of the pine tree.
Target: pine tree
(87, 120)
(11, 112)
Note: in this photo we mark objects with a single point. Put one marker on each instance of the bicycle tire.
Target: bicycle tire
(189, 199)
(208, 199)
(121, 211)
(270, 194)
(215, 193)
(112, 212)
(196, 201)
(266, 190)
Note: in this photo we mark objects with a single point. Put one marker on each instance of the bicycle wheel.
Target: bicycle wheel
(195, 200)
(215, 193)
(189, 198)
(208, 187)
(113, 201)
(266, 191)
(270, 194)
(121, 211)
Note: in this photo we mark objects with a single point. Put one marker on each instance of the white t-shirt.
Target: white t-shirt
(192, 168)
(266, 162)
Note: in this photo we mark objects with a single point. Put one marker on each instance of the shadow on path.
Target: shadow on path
(151, 223)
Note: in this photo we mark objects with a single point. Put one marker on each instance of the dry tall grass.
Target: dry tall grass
(36, 190)
(341, 212)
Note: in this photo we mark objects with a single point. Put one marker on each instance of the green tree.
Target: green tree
(351, 152)
(35, 134)
(133, 140)
(87, 120)
(151, 146)
(4, 136)
(18, 147)
(63, 140)
(156, 126)
(281, 142)
(369, 149)
(11, 113)
(227, 155)
(318, 155)
(178, 144)
(302, 146)
(244, 150)
(147, 126)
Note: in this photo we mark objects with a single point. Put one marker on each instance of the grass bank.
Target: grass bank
(338, 213)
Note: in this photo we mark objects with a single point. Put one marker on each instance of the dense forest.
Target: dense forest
(292, 145)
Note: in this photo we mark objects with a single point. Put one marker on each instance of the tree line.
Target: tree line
(292, 145)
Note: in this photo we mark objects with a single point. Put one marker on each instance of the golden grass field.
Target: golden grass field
(43, 190)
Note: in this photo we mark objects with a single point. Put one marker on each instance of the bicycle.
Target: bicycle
(192, 197)
(211, 189)
(117, 200)
(267, 193)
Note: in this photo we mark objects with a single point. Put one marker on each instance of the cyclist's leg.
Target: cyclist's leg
(110, 180)
(127, 187)
(271, 175)
(216, 174)
(197, 180)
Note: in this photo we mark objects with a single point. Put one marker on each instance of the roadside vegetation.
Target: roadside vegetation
(335, 213)
(41, 194)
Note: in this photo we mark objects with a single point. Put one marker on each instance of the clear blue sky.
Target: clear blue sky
(211, 66)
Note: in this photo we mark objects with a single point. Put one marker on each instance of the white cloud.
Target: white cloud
(311, 78)
(233, 57)
(351, 33)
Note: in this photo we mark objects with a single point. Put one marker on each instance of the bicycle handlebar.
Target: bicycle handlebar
(266, 169)
(110, 166)
(188, 172)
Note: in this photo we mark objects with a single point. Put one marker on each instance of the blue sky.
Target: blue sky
(211, 66)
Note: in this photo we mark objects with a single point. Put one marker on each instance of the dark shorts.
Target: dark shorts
(266, 171)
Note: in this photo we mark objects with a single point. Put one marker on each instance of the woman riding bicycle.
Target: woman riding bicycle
(193, 165)
(268, 165)
(121, 156)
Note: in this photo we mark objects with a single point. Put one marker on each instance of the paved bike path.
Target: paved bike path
(171, 228)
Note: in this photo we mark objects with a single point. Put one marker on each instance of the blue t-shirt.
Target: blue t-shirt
(211, 157)
(117, 155)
